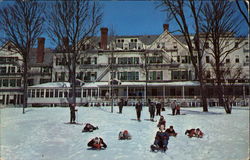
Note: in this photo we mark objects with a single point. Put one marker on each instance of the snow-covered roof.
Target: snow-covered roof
(52, 85)
(103, 84)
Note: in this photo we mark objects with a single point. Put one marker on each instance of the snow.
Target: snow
(52, 85)
(40, 134)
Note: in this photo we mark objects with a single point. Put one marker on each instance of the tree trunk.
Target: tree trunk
(202, 88)
(25, 85)
(73, 81)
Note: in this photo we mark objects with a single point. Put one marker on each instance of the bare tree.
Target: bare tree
(243, 7)
(74, 23)
(232, 73)
(22, 23)
(179, 11)
(222, 24)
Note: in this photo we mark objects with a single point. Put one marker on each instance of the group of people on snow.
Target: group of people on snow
(161, 137)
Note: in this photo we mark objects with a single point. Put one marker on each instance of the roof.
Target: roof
(52, 85)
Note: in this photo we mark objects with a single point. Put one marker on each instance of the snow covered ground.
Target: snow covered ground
(41, 134)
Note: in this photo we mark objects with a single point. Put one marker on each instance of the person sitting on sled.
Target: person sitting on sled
(124, 135)
(89, 128)
(171, 131)
(161, 139)
(162, 121)
(97, 143)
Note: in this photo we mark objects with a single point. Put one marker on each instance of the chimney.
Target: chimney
(165, 27)
(40, 50)
(104, 38)
(65, 42)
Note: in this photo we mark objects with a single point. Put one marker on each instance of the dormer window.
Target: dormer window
(135, 40)
(9, 48)
(118, 40)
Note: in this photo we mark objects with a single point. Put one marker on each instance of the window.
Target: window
(247, 59)
(0, 82)
(206, 45)
(12, 82)
(38, 93)
(12, 69)
(227, 60)
(155, 75)
(42, 93)
(18, 82)
(113, 60)
(5, 83)
(3, 69)
(128, 75)
(113, 75)
(207, 59)
(33, 93)
(236, 44)
(154, 59)
(237, 59)
(56, 92)
(47, 93)
(51, 93)
(180, 75)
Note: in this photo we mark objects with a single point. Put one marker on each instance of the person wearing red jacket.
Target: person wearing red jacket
(162, 121)
(97, 143)
(190, 133)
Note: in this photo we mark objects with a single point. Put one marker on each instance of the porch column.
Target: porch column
(91, 94)
(98, 92)
(81, 92)
(183, 92)
(244, 94)
(35, 93)
(145, 95)
(127, 92)
(164, 88)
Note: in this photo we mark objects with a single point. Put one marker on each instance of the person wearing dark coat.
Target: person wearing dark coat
(173, 107)
(151, 109)
(158, 109)
(97, 143)
(121, 104)
(89, 128)
(162, 121)
(138, 108)
(171, 131)
(72, 113)
(161, 139)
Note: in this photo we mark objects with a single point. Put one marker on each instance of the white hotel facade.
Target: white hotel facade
(170, 73)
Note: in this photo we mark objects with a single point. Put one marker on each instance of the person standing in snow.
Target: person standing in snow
(72, 113)
(173, 107)
(158, 109)
(178, 108)
(121, 104)
(138, 108)
(151, 109)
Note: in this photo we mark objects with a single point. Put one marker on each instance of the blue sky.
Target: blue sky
(135, 18)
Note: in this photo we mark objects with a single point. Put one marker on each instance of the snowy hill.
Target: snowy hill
(41, 134)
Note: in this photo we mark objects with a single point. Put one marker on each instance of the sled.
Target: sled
(95, 149)
(76, 123)
(150, 120)
(157, 149)
(177, 114)
(133, 119)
